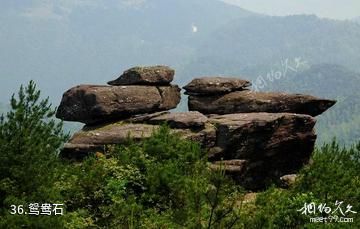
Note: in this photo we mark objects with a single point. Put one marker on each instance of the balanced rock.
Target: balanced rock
(215, 85)
(249, 101)
(274, 144)
(154, 75)
(93, 104)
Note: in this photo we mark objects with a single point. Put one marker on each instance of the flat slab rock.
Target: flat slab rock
(249, 101)
(192, 119)
(93, 104)
(153, 75)
(95, 138)
(143, 118)
(114, 133)
(215, 85)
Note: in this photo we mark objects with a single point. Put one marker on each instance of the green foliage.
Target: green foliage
(29, 141)
(332, 176)
(161, 182)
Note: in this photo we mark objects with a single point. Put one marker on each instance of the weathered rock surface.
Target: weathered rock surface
(114, 133)
(192, 119)
(248, 101)
(93, 139)
(154, 75)
(205, 137)
(94, 104)
(215, 85)
(143, 118)
(274, 144)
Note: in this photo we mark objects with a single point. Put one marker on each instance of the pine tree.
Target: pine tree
(29, 142)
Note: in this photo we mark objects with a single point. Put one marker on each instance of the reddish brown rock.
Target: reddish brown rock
(114, 133)
(206, 137)
(274, 144)
(248, 101)
(143, 118)
(215, 85)
(192, 119)
(93, 104)
(93, 139)
(154, 75)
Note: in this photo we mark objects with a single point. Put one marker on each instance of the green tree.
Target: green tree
(29, 142)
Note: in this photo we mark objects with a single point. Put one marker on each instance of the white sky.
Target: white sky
(336, 9)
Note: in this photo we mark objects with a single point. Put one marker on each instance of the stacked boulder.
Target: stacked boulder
(137, 91)
(256, 137)
(135, 104)
(216, 95)
(260, 135)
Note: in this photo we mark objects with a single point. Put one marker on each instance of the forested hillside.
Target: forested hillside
(253, 45)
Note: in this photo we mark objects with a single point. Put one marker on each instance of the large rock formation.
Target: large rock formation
(255, 137)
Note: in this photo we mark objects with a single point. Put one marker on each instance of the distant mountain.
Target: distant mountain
(251, 46)
(326, 80)
(62, 43)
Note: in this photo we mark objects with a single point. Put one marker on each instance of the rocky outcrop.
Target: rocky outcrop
(249, 101)
(254, 137)
(273, 144)
(94, 104)
(154, 75)
(95, 138)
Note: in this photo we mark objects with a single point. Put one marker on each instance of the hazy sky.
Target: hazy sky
(337, 9)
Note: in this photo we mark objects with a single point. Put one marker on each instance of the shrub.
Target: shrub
(161, 182)
(332, 176)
